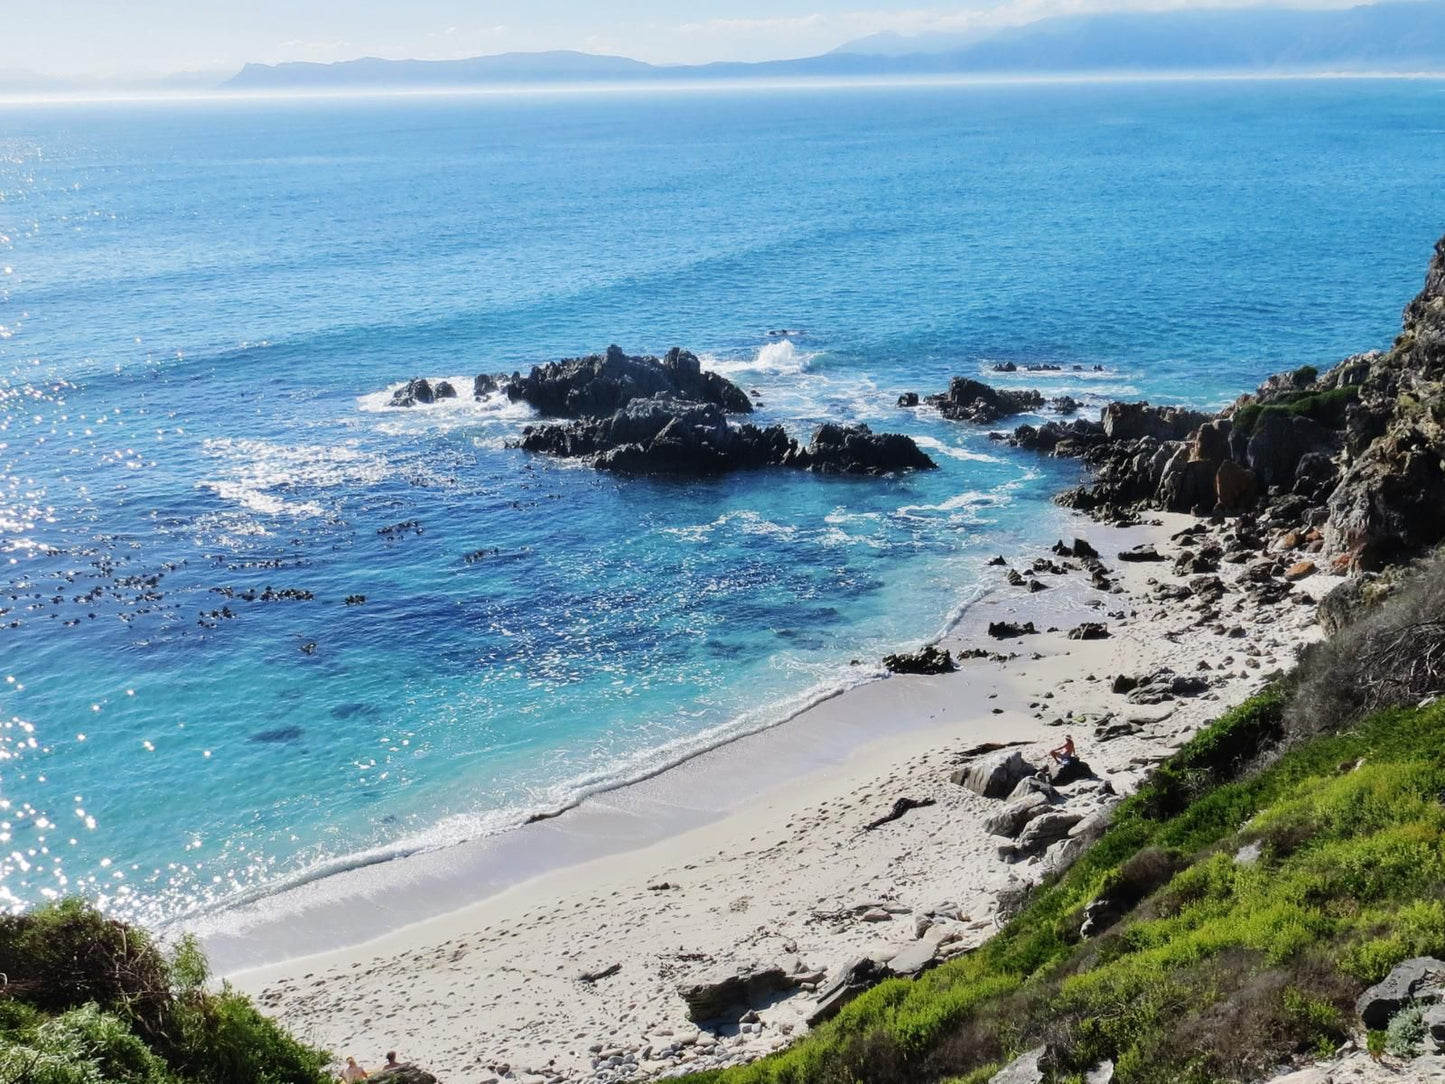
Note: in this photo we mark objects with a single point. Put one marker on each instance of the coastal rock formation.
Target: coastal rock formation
(730, 994)
(422, 390)
(926, 660)
(670, 436)
(973, 401)
(599, 384)
(1356, 453)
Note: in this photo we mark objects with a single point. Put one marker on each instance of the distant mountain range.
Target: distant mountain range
(1406, 36)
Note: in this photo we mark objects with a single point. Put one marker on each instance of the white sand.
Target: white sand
(763, 852)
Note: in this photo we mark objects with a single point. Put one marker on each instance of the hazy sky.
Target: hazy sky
(120, 38)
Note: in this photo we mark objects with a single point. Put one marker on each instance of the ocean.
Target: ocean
(205, 304)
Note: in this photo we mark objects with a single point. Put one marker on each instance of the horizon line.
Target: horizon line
(219, 95)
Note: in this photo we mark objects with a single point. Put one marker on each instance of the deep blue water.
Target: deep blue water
(202, 305)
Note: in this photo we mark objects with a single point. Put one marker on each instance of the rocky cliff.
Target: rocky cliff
(1354, 456)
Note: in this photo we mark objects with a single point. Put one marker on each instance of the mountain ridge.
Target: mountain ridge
(1399, 36)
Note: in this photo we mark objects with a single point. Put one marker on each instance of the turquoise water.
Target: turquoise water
(203, 305)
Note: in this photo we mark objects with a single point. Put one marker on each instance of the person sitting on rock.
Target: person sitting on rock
(1064, 754)
(352, 1072)
(391, 1062)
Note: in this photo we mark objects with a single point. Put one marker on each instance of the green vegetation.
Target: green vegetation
(1290, 855)
(1325, 407)
(88, 1000)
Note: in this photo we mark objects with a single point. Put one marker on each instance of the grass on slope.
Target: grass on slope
(1221, 968)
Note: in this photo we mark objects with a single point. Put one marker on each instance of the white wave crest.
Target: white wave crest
(260, 475)
(933, 444)
(780, 358)
(443, 414)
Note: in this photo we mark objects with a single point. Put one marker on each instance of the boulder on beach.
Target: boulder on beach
(926, 660)
(728, 994)
(1006, 630)
(995, 776)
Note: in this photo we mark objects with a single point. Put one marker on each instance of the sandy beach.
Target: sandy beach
(557, 951)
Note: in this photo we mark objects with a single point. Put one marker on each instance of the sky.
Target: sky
(140, 39)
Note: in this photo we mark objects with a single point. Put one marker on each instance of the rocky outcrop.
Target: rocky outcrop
(995, 777)
(973, 401)
(421, 390)
(1419, 979)
(926, 660)
(599, 384)
(728, 995)
(1356, 453)
(670, 436)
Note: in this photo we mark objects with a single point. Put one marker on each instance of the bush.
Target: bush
(1392, 656)
(90, 1000)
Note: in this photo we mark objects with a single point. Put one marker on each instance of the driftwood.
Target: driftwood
(595, 976)
(900, 807)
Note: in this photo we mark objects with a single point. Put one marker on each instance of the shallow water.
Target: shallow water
(202, 307)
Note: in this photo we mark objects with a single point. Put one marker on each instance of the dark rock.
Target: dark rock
(973, 401)
(1069, 771)
(1235, 487)
(1141, 553)
(908, 399)
(848, 982)
(855, 449)
(413, 392)
(444, 390)
(1004, 630)
(484, 385)
(668, 436)
(1419, 979)
(1090, 630)
(926, 660)
(600, 384)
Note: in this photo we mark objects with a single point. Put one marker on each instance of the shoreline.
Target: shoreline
(448, 869)
(413, 956)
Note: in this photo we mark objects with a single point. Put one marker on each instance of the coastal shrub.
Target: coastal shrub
(1406, 1032)
(1391, 656)
(91, 999)
(1225, 967)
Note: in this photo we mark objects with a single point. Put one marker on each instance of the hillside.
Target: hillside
(1231, 917)
(1406, 36)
